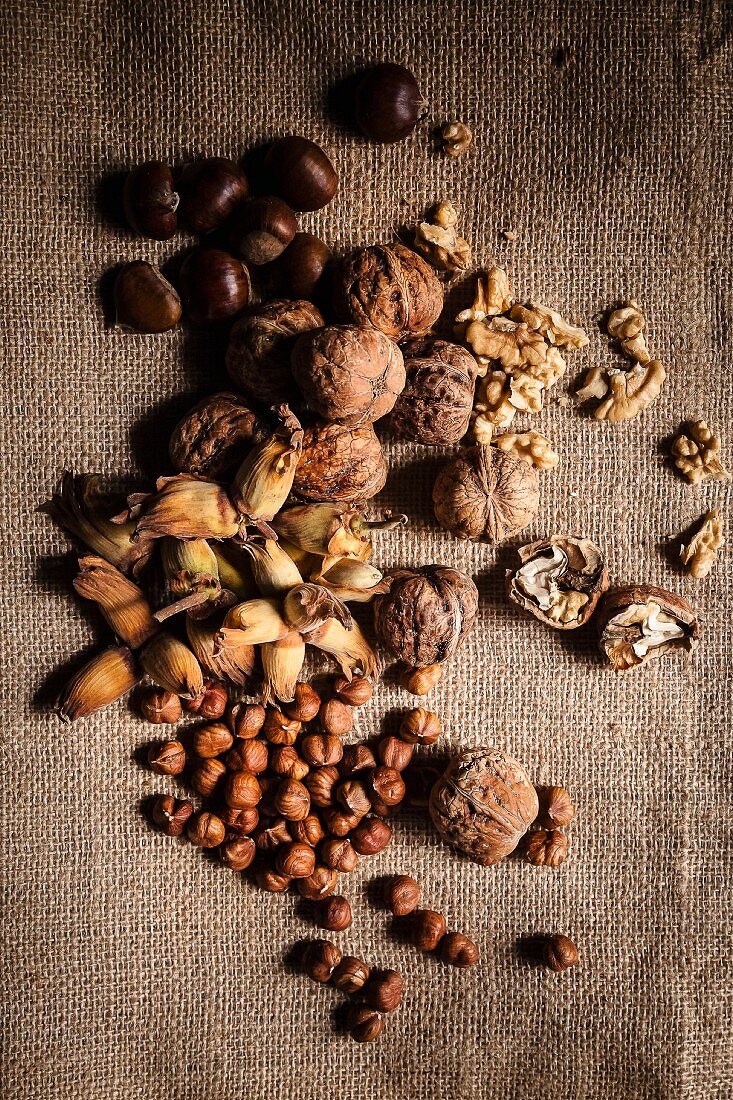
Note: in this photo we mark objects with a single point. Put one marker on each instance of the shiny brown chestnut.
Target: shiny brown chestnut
(149, 201)
(300, 269)
(388, 103)
(144, 299)
(214, 285)
(210, 191)
(301, 173)
(262, 229)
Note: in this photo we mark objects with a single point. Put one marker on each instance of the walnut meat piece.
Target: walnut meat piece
(550, 324)
(485, 494)
(559, 580)
(625, 326)
(438, 241)
(701, 552)
(339, 463)
(626, 393)
(260, 343)
(213, 438)
(696, 453)
(435, 405)
(530, 446)
(493, 296)
(425, 614)
(639, 623)
(483, 804)
(456, 138)
(389, 288)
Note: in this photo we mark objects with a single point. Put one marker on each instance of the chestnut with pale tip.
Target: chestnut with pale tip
(301, 268)
(262, 228)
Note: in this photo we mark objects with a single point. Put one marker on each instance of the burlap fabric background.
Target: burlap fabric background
(135, 968)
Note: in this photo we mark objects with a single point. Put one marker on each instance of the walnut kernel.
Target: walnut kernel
(530, 446)
(456, 138)
(701, 552)
(625, 325)
(625, 393)
(638, 623)
(696, 454)
(438, 241)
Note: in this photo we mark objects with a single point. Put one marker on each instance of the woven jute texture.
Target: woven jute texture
(132, 966)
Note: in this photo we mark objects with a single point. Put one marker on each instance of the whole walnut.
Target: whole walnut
(435, 405)
(425, 613)
(260, 343)
(483, 493)
(351, 375)
(339, 463)
(483, 804)
(215, 435)
(390, 288)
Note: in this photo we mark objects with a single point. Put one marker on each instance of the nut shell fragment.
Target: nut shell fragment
(483, 493)
(559, 580)
(639, 623)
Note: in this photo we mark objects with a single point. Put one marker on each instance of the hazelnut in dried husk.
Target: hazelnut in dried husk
(210, 191)
(300, 173)
(387, 103)
(559, 580)
(214, 285)
(483, 804)
(150, 202)
(350, 375)
(641, 622)
(339, 463)
(389, 288)
(425, 613)
(484, 493)
(144, 299)
(262, 229)
(435, 405)
(213, 438)
(260, 343)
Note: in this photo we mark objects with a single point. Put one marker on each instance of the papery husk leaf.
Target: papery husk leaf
(273, 569)
(171, 665)
(121, 602)
(349, 648)
(105, 678)
(235, 664)
(187, 507)
(308, 606)
(352, 581)
(263, 482)
(253, 622)
(235, 569)
(281, 665)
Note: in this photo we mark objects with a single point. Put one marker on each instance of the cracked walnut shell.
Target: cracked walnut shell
(425, 614)
(350, 375)
(701, 552)
(455, 137)
(260, 343)
(389, 288)
(338, 463)
(559, 580)
(213, 438)
(435, 406)
(641, 622)
(483, 804)
(483, 493)
(696, 453)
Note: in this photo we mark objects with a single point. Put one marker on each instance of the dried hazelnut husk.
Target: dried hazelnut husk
(350, 375)
(238, 853)
(207, 777)
(559, 952)
(321, 959)
(402, 895)
(339, 854)
(384, 990)
(356, 692)
(365, 1024)
(371, 835)
(296, 859)
(167, 758)
(213, 438)
(425, 614)
(171, 814)
(320, 784)
(458, 950)
(559, 580)
(556, 808)
(160, 706)
(483, 804)
(435, 405)
(212, 740)
(389, 288)
(427, 928)
(247, 719)
(321, 749)
(319, 885)
(350, 975)
(207, 830)
(260, 343)
(338, 463)
(357, 758)
(334, 913)
(545, 847)
(484, 493)
(394, 752)
(640, 622)
(250, 756)
(420, 727)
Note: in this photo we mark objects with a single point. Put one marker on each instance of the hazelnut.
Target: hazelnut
(365, 1023)
(334, 913)
(389, 288)
(292, 800)
(301, 173)
(420, 727)
(402, 895)
(483, 493)
(213, 285)
(260, 343)
(321, 959)
(421, 681)
(384, 990)
(297, 860)
(355, 692)
(167, 758)
(556, 809)
(248, 756)
(381, 809)
(149, 201)
(240, 822)
(269, 782)
(435, 406)
(339, 463)
(279, 729)
(388, 785)
(144, 299)
(319, 885)
(320, 783)
(427, 928)
(271, 880)
(262, 229)
(350, 975)
(242, 791)
(338, 854)
(285, 761)
(160, 706)
(271, 833)
(206, 776)
(425, 614)
(559, 952)
(212, 740)
(301, 269)
(353, 796)
(211, 703)
(339, 822)
(246, 719)
(371, 835)
(357, 758)
(305, 705)
(210, 191)
(238, 852)
(309, 830)
(336, 718)
(171, 814)
(388, 103)
(321, 749)
(394, 752)
(207, 830)
(457, 950)
(546, 847)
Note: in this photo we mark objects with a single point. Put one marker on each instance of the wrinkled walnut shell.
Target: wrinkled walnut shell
(425, 614)
(260, 343)
(339, 463)
(390, 288)
(435, 405)
(483, 804)
(584, 573)
(483, 493)
(618, 640)
(215, 435)
(351, 375)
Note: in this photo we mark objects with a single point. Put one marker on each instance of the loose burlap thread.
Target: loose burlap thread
(132, 966)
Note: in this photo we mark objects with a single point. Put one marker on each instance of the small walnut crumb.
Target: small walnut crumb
(510, 234)
(456, 138)
(529, 446)
(625, 325)
(626, 393)
(550, 324)
(563, 401)
(696, 454)
(701, 551)
(482, 429)
(438, 240)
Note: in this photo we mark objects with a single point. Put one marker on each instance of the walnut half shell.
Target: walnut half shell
(641, 622)
(559, 580)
